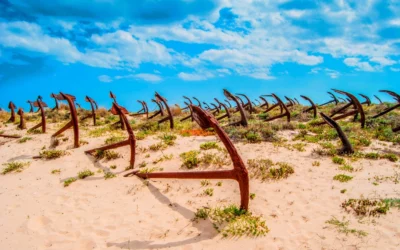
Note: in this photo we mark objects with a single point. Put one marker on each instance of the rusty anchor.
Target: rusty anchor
(357, 109)
(248, 106)
(227, 112)
(40, 105)
(243, 119)
(395, 96)
(30, 106)
(74, 118)
(169, 116)
(112, 96)
(313, 106)
(367, 100)
(283, 107)
(334, 99)
(347, 148)
(12, 108)
(380, 101)
(143, 111)
(198, 102)
(56, 107)
(22, 124)
(94, 107)
(238, 173)
(131, 141)
(265, 104)
(160, 109)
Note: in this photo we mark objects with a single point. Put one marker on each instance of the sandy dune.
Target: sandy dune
(38, 212)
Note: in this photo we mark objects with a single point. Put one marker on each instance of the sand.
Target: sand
(38, 212)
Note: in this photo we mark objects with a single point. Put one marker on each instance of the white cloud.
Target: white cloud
(193, 76)
(148, 77)
(395, 22)
(383, 61)
(296, 13)
(395, 69)
(105, 78)
(329, 72)
(359, 65)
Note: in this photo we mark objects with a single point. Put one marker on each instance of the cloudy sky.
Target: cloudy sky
(196, 48)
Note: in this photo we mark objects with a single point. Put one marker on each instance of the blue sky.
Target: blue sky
(196, 48)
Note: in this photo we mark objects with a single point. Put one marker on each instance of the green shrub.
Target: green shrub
(190, 159)
(342, 178)
(14, 166)
(85, 173)
(209, 145)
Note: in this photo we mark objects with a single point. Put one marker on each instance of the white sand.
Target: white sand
(37, 212)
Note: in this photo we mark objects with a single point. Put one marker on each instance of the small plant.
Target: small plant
(107, 154)
(168, 139)
(343, 227)
(343, 191)
(209, 191)
(209, 145)
(113, 166)
(391, 157)
(109, 175)
(316, 163)
(83, 142)
(253, 137)
(205, 183)
(283, 171)
(190, 159)
(69, 181)
(372, 156)
(299, 147)
(338, 160)
(219, 183)
(157, 146)
(14, 166)
(51, 154)
(149, 170)
(163, 158)
(85, 173)
(252, 196)
(342, 178)
(114, 139)
(347, 168)
(233, 221)
(142, 164)
(24, 139)
(366, 207)
(55, 171)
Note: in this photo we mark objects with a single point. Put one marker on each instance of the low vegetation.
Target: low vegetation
(14, 167)
(266, 169)
(231, 221)
(51, 154)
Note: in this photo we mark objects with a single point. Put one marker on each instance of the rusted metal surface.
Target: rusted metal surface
(10, 136)
(396, 129)
(243, 118)
(169, 116)
(94, 107)
(283, 114)
(40, 105)
(379, 100)
(367, 100)
(313, 106)
(357, 109)
(143, 111)
(190, 103)
(248, 106)
(22, 124)
(207, 106)
(334, 99)
(297, 101)
(238, 173)
(227, 112)
(54, 96)
(74, 118)
(30, 106)
(122, 125)
(160, 109)
(347, 148)
(229, 104)
(131, 141)
(395, 96)
(265, 104)
(12, 108)
(290, 102)
(190, 115)
(198, 102)
(215, 111)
